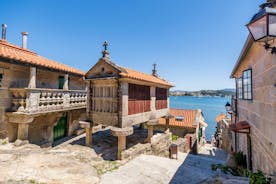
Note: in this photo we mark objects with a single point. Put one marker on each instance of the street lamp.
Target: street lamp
(228, 107)
(263, 25)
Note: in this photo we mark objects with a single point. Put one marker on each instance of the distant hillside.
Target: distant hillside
(223, 93)
(230, 89)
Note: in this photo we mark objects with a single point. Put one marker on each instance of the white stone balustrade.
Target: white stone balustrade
(38, 100)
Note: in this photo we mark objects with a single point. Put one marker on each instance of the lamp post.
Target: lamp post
(228, 108)
(263, 25)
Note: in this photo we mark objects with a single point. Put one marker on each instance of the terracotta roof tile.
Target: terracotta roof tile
(133, 74)
(188, 121)
(14, 52)
(220, 117)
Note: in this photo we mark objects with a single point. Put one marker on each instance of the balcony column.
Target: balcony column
(66, 82)
(66, 94)
(121, 133)
(32, 80)
(150, 125)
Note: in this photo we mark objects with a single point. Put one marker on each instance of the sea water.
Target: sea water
(210, 106)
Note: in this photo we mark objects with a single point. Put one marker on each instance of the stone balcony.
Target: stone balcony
(38, 100)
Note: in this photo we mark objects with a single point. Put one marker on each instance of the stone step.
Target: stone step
(78, 131)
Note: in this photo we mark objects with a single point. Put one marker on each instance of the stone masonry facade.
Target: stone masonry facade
(23, 95)
(260, 111)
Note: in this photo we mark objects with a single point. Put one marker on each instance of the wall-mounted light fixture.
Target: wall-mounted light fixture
(263, 26)
(228, 107)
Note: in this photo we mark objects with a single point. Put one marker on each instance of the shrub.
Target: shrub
(254, 178)
(174, 137)
(259, 178)
(240, 159)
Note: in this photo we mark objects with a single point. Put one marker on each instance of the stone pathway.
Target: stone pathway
(213, 152)
(31, 164)
(188, 168)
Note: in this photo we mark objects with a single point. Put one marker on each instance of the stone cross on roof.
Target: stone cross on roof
(105, 51)
(105, 44)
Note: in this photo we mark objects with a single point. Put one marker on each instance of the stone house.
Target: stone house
(224, 133)
(184, 123)
(254, 108)
(120, 97)
(41, 100)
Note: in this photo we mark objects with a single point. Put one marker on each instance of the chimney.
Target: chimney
(24, 40)
(4, 29)
(154, 71)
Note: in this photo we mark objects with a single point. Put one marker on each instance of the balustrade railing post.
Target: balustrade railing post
(66, 99)
(32, 100)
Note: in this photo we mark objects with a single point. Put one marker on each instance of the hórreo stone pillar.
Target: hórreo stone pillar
(22, 122)
(23, 131)
(121, 133)
(88, 132)
(150, 125)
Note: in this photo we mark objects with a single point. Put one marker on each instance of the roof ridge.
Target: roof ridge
(157, 77)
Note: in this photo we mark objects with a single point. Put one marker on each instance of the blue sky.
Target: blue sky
(194, 43)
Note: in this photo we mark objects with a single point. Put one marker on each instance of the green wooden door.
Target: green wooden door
(60, 82)
(60, 128)
(199, 134)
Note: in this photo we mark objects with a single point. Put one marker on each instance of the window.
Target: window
(239, 88)
(1, 80)
(247, 84)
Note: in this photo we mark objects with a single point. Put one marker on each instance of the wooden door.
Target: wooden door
(60, 129)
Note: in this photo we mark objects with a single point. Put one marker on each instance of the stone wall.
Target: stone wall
(226, 142)
(49, 79)
(17, 76)
(159, 146)
(182, 145)
(259, 112)
(179, 131)
(73, 120)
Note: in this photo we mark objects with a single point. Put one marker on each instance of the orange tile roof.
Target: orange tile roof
(188, 121)
(133, 74)
(14, 52)
(220, 117)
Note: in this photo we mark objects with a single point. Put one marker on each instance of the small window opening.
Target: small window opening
(179, 118)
